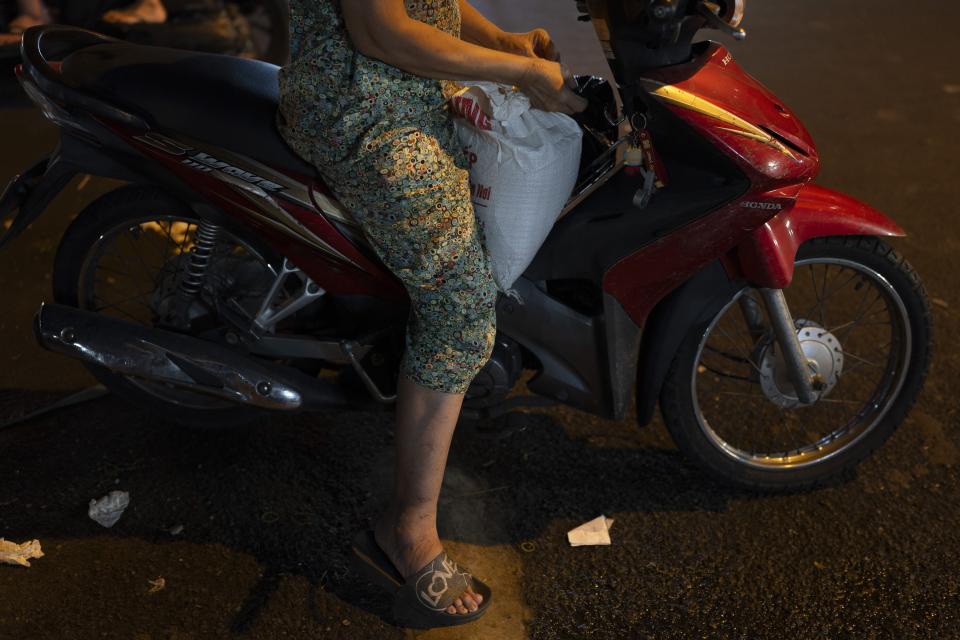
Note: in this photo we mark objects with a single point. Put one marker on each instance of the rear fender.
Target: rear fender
(695, 302)
(29, 193)
(765, 258)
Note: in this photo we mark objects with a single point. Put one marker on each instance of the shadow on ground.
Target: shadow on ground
(289, 492)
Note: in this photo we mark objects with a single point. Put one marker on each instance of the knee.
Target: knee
(447, 347)
(467, 327)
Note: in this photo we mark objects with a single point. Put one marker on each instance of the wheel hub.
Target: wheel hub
(824, 355)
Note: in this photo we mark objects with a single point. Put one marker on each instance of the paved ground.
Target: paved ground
(266, 513)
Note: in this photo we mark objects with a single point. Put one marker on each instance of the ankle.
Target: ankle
(410, 546)
(406, 529)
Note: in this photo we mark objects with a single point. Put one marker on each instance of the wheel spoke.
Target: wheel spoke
(118, 310)
(836, 401)
(860, 322)
(740, 393)
(736, 341)
(861, 311)
(832, 291)
(820, 297)
(850, 354)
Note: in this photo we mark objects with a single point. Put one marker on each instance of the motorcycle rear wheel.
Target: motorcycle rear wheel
(734, 417)
(77, 266)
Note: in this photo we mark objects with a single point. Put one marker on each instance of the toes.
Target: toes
(467, 602)
(476, 597)
(471, 603)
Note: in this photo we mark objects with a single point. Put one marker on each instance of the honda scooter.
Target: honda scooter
(696, 265)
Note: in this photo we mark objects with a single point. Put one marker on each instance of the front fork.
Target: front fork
(801, 372)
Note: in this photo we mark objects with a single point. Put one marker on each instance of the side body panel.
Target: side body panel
(295, 218)
(760, 135)
(642, 279)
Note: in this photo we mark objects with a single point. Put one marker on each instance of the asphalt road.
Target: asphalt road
(262, 517)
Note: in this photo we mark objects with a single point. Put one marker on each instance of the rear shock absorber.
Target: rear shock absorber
(204, 243)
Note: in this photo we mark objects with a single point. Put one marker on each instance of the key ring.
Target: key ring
(633, 123)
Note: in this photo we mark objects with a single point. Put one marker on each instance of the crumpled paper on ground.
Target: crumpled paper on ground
(19, 554)
(108, 509)
(593, 533)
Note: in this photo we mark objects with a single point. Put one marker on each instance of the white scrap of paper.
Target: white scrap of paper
(595, 532)
(108, 509)
(156, 585)
(19, 554)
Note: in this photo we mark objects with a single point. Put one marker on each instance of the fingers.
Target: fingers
(548, 50)
(568, 78)
(542, 45)
(574, 102)
(571, 100)
(548, 85)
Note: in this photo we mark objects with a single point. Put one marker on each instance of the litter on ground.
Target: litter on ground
(108, 509)
(19, 554)
(593, 533)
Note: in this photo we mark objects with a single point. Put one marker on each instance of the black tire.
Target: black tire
(114, 208)
(678, 405)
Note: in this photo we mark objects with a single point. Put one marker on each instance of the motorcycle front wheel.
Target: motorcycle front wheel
(862, 316)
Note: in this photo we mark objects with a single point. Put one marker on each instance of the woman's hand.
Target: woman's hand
(548, 85)
(532, 44)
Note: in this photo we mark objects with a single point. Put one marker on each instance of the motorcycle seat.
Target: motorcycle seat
(222, 100)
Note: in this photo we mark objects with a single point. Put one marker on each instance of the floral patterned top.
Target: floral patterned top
(332, 96)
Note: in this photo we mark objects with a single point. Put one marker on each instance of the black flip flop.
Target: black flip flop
(421, 601)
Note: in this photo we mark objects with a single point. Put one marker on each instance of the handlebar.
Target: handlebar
(722, 15)
(712, 12)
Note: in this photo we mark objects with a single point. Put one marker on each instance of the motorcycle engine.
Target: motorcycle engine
(496, 379)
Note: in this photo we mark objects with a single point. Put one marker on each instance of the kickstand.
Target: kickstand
(86, 395)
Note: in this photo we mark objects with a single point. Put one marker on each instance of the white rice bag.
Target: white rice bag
(523, 167)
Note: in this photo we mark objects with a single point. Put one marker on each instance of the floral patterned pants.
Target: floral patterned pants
(411, 197)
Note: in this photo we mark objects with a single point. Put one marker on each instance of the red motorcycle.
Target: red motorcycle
(784, 339)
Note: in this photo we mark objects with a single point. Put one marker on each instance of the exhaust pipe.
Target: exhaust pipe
(137, 351)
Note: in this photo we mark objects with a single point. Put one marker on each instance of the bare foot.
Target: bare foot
(140, 12)
(410, 552)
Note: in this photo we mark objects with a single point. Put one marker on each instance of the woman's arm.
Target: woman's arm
(382, 29)
(477, 29)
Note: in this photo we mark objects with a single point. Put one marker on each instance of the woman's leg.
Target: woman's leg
(413, 203)
(407, 530)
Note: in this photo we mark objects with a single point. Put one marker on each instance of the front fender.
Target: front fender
(765, 258)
